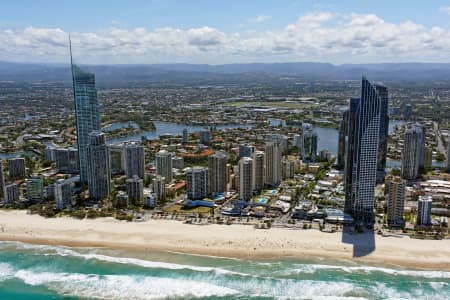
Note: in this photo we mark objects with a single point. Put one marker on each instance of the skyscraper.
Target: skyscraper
(258, 170)
(428, 157)
(424, 210)
(245, 178)
(99, 176)
(135, 190)
(134, 160)
(185, 136)
(448, 156)
(197, 183)
(159, 188)
(117, 158)
(66, 160)
(12, 193)
(205, 136)
(395, 188)
(246, 150)
(342, 140)
(217, 168)
(86, 112)
(309, 143)
(63, 194)
(297, 142)
(273, 163)
(35, 189)
(362, 153)
(288, 168)
(412, 152)
(16, 167)
(164, 165)
(422, 147)
(382, 94)
(2, 180)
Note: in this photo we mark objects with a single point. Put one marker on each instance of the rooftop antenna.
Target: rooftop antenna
(70, 50)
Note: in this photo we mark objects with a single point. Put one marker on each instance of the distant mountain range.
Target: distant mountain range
(119, 75)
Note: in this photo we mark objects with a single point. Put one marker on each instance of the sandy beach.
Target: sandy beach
(224, 240)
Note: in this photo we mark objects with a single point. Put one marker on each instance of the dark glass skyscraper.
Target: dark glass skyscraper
(342, 141)
(382, 93)
(86, 112)
(363, 135)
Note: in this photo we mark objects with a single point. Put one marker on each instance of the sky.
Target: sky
(231, 31)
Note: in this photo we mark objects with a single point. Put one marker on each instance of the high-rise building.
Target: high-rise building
(428, 157)
(342, 140)
(309, 143)
(407, 113)
(159, 188)
(217, 168)
(272, 164)
(280, 139)
(66, 160)
(134, 160)
(16, 167)
(245, 178)
(258, 170)
(185, 136)
(177, 162)
(164, 165)
(197, 183)
(362, 153)
(411, 152)
(86, 112)
(12, 193)
(205, 136)
(424, 210)
(63, 194)
(288, 168)
(325, 155)
(246, 150)
(395, 189)
(99, 176)
(35, 189)
(135, 190)
(297, 142)
(382, 94)
(448, 155)
(422, 147)
(117, 158)
(2, 180)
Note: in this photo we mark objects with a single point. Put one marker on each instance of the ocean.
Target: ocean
(29, 271)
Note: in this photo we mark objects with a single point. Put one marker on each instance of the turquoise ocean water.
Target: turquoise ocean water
(30, 271)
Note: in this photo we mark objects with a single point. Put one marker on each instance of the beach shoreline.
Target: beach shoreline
(234, 241)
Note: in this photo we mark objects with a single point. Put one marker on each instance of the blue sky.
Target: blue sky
(202, 30)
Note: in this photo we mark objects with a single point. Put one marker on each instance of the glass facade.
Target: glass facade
(87, 113)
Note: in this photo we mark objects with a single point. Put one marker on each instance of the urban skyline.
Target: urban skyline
(131, 175)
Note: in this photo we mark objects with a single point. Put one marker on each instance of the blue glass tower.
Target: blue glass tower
(363, 140)
(86, 112)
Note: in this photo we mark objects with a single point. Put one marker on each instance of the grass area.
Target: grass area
(177, 208)
(292, 105)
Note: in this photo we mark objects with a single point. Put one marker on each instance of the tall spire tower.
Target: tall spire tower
(86, 111)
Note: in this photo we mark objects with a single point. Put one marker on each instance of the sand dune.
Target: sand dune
(224, 240)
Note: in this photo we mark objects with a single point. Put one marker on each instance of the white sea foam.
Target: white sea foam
(121, 286)
(294, 289)
(64, 251)
(312, 268)
(6, 271)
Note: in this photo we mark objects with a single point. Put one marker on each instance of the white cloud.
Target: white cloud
(319, 36)
(445, 10)
(260, 19)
